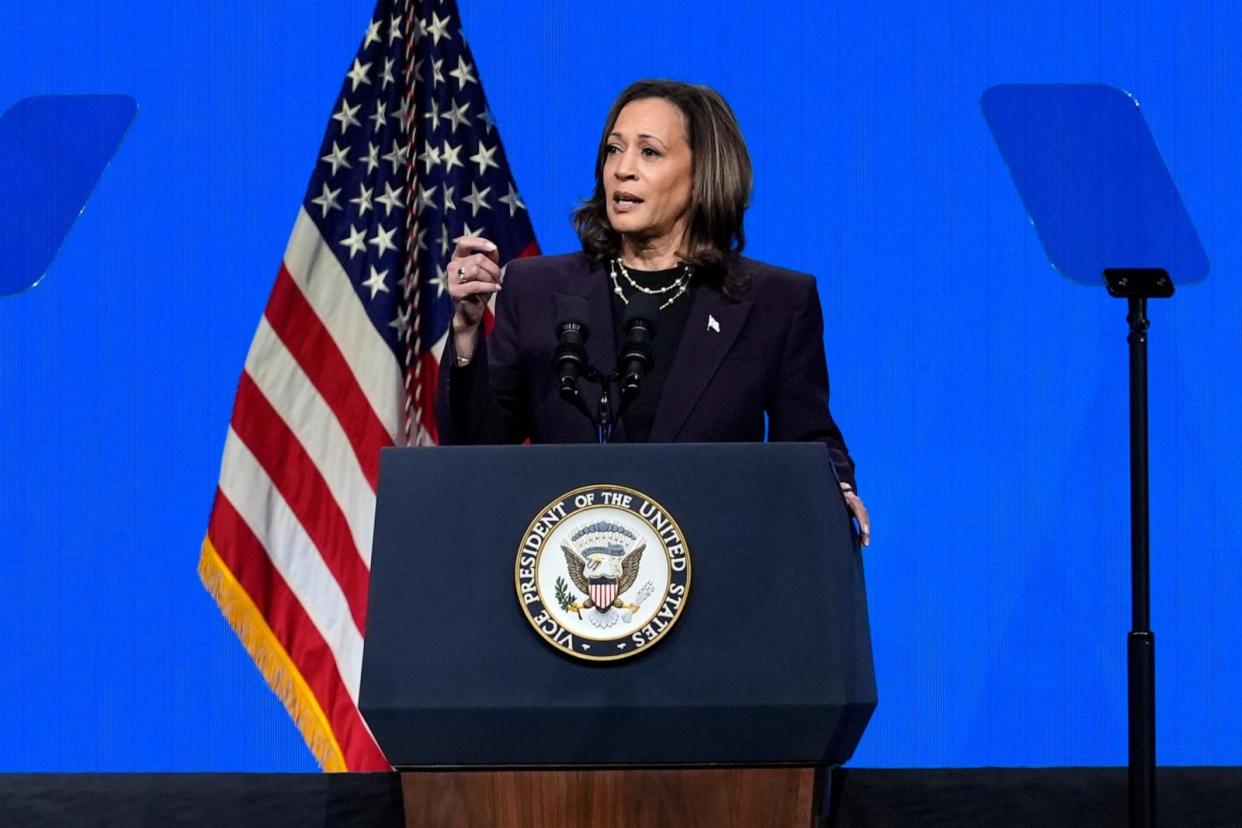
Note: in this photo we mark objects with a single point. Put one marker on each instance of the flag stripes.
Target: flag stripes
(247, 488)
(292, 475)
(281, 631)
(316, 428)
(316, 351)
(326, 287)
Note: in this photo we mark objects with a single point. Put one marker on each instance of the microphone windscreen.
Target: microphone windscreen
(641, 306)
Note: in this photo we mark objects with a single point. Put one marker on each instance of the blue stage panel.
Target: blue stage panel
(982, 395)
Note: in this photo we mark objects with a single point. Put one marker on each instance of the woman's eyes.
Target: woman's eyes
(648, 152)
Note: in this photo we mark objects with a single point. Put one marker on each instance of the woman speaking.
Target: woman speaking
(730, 339)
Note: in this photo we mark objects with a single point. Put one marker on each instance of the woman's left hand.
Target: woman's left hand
(859, 511)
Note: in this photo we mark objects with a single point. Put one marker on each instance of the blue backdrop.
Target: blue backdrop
(982, 394)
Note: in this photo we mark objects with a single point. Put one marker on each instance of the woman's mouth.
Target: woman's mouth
(623, 202)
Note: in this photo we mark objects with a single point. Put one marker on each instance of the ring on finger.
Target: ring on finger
(461, 275)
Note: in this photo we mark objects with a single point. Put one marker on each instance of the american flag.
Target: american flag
(345, 359)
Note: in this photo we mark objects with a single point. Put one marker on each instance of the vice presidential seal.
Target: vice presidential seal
(603, 572)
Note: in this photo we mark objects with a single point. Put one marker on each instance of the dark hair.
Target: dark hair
(720, 167)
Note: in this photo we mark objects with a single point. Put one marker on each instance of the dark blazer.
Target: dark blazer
(767, 357)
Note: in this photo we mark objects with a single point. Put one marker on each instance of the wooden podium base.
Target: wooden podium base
(650, 798)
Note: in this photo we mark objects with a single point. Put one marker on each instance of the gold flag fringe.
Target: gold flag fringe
(271, 658)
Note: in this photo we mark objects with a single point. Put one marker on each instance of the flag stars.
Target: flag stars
(430, 156)
(464, 73)
(435, 142)
(449, 156)
(433, 114)
(380, 115)
(457, 115)
(337, 158)
(484, 158)
(372, 159)
(402, 322)
(327, 200)
(486, 117)
(347, 116)
(436, 28)
(477, 199)
(373, 35)
(466, 230)
(391, 199)
(358, 75)
(363, 200)
(513, 200)
(375, 282)
(355, 241)
(382, 240)
(397, 155)
(427, 198)
(439, 281)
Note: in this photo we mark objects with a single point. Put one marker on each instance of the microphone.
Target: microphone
(638, 327)
(571, 337)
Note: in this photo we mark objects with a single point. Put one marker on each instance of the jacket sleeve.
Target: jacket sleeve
(486, 401)
(798, 402)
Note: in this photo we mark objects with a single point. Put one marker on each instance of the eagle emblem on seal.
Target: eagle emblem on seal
(603, 560)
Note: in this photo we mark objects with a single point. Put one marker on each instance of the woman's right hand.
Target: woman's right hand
(473, 276)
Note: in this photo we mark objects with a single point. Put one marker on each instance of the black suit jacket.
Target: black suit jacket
(738, 360)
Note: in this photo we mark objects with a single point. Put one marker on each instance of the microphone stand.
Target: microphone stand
(603, 419)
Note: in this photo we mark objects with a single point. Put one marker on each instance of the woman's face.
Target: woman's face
(647, 172)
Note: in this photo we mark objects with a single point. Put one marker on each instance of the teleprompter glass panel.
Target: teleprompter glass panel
(1093, 180)
(53, 149)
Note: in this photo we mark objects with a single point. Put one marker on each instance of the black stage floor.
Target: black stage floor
(1189, 797)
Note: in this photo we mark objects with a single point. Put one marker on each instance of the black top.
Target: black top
(637, 420)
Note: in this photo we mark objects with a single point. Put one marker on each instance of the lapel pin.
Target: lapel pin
(712, 324)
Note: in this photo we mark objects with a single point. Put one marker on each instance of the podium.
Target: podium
(744, 687)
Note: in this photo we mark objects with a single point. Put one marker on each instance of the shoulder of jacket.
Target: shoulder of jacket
(767, 278)
(550, 265)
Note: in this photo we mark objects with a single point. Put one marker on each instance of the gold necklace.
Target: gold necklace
(681, 284)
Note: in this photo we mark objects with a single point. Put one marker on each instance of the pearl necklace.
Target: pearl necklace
(681, 284)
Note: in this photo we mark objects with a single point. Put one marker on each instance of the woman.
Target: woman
(734, 340)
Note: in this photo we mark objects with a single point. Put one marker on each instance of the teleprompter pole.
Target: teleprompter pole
(1141, 649)
(1137, 286)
